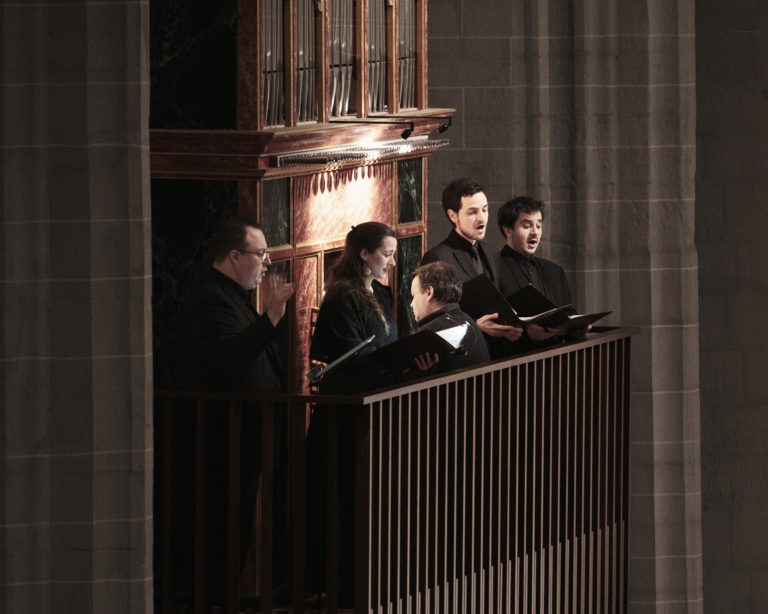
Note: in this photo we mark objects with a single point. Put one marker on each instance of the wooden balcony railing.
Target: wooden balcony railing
(501, 488)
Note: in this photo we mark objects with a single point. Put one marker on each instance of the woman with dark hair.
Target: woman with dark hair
(355, 307)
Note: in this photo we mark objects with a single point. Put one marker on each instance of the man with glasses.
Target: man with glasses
(223, 343)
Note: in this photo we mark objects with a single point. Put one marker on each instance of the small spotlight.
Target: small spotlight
(406, 133)
(444, 126)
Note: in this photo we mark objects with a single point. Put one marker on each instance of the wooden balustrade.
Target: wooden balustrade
(501, 488)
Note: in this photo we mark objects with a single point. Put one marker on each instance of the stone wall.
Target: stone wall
(731, 226)
(591, 107)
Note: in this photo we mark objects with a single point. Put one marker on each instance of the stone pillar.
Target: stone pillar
(591, 107)
(75, 280)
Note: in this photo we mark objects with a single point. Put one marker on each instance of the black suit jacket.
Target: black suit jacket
(222, 343)
(453, 250)
(512, 277)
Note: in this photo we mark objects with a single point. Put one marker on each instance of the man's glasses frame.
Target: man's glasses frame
(261, 253)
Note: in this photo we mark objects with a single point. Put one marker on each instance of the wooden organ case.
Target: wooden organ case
(309, 116)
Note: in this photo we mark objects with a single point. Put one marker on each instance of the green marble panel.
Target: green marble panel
(408, 259)
(276, 212)
(409, 191)
(281, 270)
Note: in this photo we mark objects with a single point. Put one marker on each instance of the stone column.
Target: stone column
(75, 338)
(591, 107)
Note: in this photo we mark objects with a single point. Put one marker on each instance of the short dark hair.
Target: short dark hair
(456, 190)
(511, 210)
(231, 235)
(444, 279)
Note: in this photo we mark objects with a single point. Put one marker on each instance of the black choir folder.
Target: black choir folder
(479, 297)
(529, 300)
(400, 355)
(526, 306)
(316, 374)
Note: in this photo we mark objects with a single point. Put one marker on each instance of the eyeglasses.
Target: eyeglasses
(261, 253)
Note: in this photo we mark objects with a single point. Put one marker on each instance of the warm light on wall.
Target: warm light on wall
(335, 200)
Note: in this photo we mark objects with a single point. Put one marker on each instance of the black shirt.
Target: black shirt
(473, 347)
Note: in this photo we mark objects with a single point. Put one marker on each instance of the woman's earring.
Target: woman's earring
(366, 270)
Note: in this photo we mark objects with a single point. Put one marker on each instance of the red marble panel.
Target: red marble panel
(306, 274)
(327, 204)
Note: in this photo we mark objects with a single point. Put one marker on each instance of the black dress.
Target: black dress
(343, 322)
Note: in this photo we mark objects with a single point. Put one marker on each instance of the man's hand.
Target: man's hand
(276, 293)
(489, 327)
(425, 362)
(579, 333)
(540, 333)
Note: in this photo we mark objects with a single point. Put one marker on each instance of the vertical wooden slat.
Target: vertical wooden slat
(267, 411)
(510, 556)
(480, 523)
(475, 489)
(377, 472)
(527, 490)
(233, 505)
(541, 516)
(450, 518)
(495, 485)
(519, 501)
(449, 512)
(332, 508)
(568, 473)
(418, 495)
(617, 409)
(200, 533)
(363, 516)
(557, 476)
(577, 486)
(613, 408)
(437, 400)
(460, 568)
(167, 506)
(297, 471)
(409, 503)
(389, 505)
(593, 482)
(603, 572)
(583, 483)
(402, 517)
(551, 438)
(624, 498)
